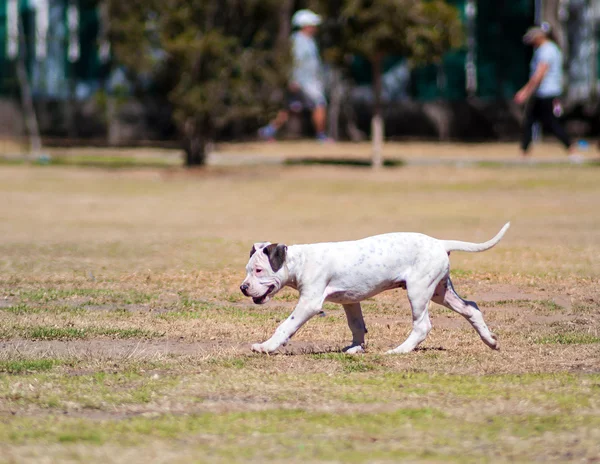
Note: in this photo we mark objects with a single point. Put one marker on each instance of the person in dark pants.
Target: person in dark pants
(542, 91)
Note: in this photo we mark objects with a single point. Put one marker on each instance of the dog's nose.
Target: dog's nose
(244, 289)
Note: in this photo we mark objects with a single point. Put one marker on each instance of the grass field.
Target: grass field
(124, 337)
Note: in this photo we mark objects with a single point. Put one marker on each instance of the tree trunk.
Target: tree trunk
(377, 129)
(112, 124)
(71, 105)
(195, 151)
(285, 28)
(336, 93)
(35, 140)
(104, 54)
(551, 10)
(195, 142)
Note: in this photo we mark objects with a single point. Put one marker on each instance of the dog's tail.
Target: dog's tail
(457, 245)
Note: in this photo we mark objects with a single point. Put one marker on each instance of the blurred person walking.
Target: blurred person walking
(542, 91)
(306, 88)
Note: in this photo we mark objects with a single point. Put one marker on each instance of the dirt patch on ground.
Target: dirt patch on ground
(140, 349)
(6, 302)
(508, 292)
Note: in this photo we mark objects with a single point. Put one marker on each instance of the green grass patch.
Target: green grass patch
(73, 333)
(569, 338)
(21, 308)
(419, 434)
(25, 366)
(188, 308)
(458, 273)
(12, 161)
(286, 296)
(230, 362)
(107, 161)
(569, 392)
(95, 296)
(78, 436)
(241, 313)
(357, 417)
(273, 422)
(54, 333)
(125, 333)
(549, 305)
(77, 387)
(349, 363)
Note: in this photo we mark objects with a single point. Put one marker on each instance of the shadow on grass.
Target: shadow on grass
(352, 162)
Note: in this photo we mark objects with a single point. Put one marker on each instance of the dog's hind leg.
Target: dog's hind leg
(419, 295)
(357, 327)
(445, 295)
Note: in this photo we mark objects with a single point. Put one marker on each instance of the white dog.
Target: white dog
(349, 272)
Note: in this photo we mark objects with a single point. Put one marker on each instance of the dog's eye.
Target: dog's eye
(258, 271)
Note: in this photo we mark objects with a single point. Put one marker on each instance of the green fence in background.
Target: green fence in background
(502, 60)
(56, 67)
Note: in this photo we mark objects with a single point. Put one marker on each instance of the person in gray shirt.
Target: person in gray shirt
(543, 89)
(306, 89)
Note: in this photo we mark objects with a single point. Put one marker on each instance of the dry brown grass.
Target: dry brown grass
(121, 319)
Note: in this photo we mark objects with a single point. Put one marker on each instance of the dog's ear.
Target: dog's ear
(276, 254)
(258, 246)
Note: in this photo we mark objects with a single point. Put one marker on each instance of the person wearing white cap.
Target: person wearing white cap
(543, 89)
(306, 88)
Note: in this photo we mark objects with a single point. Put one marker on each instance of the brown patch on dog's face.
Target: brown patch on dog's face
(276, 254)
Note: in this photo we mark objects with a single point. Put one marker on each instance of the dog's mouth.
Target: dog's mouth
(262, 299)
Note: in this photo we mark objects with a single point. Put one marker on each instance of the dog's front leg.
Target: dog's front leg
(302, 313)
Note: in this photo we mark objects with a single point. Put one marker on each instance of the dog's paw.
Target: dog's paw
(494, 344)
(261, 348)
(354, 349)
(398, 350)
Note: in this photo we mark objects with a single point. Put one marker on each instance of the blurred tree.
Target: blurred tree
(420, 30)
(217, 60)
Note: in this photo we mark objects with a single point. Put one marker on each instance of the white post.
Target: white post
(377, 136)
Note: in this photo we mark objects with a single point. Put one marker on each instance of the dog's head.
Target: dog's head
(266, 271)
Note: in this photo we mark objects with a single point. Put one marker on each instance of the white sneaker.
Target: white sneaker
(576, 158)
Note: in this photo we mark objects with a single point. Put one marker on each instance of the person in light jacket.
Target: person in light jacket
(542, 91)
(306, 88)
